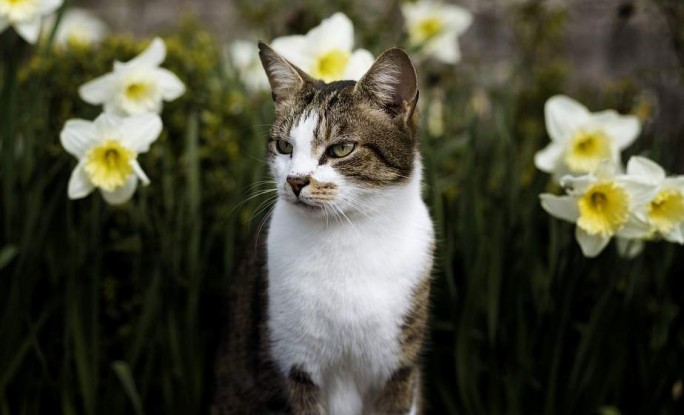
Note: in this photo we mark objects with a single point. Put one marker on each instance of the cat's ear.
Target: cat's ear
(284, 77)
(391, 82)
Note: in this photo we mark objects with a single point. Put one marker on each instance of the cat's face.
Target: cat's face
(336, 148)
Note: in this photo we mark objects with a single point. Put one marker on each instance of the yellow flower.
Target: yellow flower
(137, 86)
(325, 52)
(664, 212)
(602, 205)
(26, 16)
(434, 27)
(77, 28)
(107, 151)
(581, 140)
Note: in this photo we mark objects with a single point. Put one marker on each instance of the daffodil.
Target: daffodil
(78, 27)
(602, 205)
(325, 52)
(107, 151)
(665, 211)
(581, 140)
(244, 58)
(433, 28)
(26, 16)
(137, 86)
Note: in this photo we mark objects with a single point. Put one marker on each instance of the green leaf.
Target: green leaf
(123, 372)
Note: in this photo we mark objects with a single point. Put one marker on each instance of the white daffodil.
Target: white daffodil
(325, 52)
(137, 86)
(602, 206)
(665, 211)
(433, 28)
(26, 16)
(581, 140)
(78, 27)
(107, 151)
(244, 57)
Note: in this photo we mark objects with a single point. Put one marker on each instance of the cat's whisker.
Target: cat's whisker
(261, 225)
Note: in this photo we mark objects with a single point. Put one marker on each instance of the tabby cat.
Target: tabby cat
(328, 315)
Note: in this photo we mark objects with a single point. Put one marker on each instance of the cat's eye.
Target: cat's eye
(340, 150)
(283, 147)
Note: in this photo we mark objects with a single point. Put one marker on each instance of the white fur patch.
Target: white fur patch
(338, 292)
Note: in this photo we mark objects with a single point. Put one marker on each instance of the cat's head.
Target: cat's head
(339, 147)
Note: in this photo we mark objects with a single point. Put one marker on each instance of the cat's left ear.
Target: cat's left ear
(391, 82)
(284, 77)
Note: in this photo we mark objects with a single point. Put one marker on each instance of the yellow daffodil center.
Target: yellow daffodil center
(330, 66)
(16, 2)
(428, 28)
(604, 209)
(137, 91)
(666, 210)
(109, 165)
(587, 150)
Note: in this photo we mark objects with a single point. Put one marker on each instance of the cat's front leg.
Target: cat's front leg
(400, 395)
(303, 393)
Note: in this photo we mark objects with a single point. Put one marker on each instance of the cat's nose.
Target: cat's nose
(297, 183)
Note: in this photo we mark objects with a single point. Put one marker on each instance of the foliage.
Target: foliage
(111, 310)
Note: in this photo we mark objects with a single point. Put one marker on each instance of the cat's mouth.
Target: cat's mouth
(306, 206)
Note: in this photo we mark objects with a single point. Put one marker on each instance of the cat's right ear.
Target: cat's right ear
(285, 78)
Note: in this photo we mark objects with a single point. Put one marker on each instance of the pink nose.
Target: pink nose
(297, 183)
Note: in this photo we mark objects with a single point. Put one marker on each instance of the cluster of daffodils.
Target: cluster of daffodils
(107, 148)
(634, 206)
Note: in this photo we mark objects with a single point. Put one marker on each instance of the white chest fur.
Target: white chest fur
(338, 293)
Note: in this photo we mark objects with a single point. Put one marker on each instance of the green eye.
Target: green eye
(283, 147)
(340, 150)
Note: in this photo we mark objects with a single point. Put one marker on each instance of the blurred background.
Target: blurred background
(118, 309)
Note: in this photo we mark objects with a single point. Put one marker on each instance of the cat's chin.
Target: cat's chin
(308, 209)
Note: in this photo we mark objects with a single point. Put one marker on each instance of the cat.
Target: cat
(328, 315)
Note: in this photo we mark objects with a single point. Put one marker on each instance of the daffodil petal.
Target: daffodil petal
(591, 245)
(676, 235)
(675, 182)
(294, 49)
(98, 90)
(123, 193)
(456, 18)
(359, 63)
(549, 158)
(154, 55)
(445, 48)
(78, 136)
(335, 32)
(108, 125)
(648, 169)
(629, 248)
(171, 86)
(140, 173)
(563, 115)
(577, 185)
(29, 29)
(562, 207)
(640, 191)
(635, 228)
(139, 131)
(623, 129)
(49, 6)
(80, 185)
